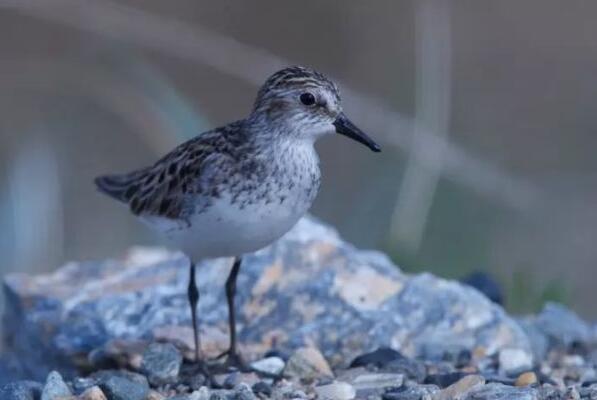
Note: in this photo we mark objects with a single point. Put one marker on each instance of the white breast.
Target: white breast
(234, 227)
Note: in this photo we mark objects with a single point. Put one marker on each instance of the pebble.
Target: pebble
(513, 361)
(93, 393)
(307, 363)
(379, 358)
(21, 390)
(121, 385)
(374, 381)
(269, 365)
(445, 380)
(336, 391)
(161, 363)
(263, 388)
(461, 388)
(498, 391)
(55, 388)
(526, 379)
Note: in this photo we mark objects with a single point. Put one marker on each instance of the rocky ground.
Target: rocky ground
(317, 319)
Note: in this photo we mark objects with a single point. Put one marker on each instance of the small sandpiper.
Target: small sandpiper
(238, 188)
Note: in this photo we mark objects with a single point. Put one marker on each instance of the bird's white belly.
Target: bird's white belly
(226, 230)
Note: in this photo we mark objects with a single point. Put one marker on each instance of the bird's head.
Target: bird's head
(305, 104)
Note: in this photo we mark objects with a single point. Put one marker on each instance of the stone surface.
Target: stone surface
(309, 288)
(93, 393)
(270, 365)
(498, 391)
(514, 360)
(336, 391)
(21, 390)
(55, 388)
(307, 363)
(122, 385)
(460, 389)
(161, 363)
(526, 379)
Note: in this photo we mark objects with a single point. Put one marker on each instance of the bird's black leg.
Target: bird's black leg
(230, 293)
(232, 356)
(193, 294)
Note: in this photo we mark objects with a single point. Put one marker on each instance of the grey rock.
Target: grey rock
(514, 361)
(269, 365)
(336, 391)
(460, 389)
(307, 363)
(55, 388)
(308, 288)
(21, 390)
(498, 391)
(562, 326)
(161, 363)
(122, 385)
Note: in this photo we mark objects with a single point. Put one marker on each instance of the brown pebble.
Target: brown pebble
(526, 379)
(93, 393)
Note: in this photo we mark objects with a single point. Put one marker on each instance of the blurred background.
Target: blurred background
(486, 112)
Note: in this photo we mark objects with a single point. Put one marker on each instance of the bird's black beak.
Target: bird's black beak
(347, 128)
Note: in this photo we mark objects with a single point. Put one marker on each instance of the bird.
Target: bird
(233, 190)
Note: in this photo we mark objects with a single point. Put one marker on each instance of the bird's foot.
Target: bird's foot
(233, 360)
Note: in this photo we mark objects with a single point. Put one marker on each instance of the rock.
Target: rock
(21, 390)
(416, 392)
(485, 284)
(374, 381)
(308, 289)
(269, 365)
(562, 326)
(263, 388)
(445, 380)
(514, 361)
(498, 391)
(526, 379)
(55, 388)
(122, 385)
(161, 363)
(379, 358)
(93, 393)
(336, 391)
(307, 363)
(460, 389)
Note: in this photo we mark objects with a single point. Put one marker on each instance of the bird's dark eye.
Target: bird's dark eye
(307, 99)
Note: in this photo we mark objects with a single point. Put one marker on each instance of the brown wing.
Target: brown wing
(175, 184)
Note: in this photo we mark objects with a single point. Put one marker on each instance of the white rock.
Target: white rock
(270, 365)
(514, 360)
(336, 391)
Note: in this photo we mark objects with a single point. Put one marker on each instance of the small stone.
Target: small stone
(55, 388)
(486, 284)
(21, 390)
(161, 363)
(263, 388)
(526, 379)
(93, 393)
(379, 358)
(514, 361)
(269, 365)
(153, 395)
(372, 381)
(461, 388)
(243, 392)
(307, 363)
(336, 391)
(498, 391)
(444, 380)
(122, 385)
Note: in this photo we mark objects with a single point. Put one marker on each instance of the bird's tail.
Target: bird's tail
(116, 186)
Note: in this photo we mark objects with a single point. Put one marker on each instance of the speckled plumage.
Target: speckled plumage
(235, 189)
